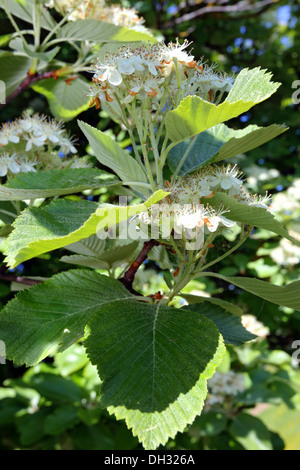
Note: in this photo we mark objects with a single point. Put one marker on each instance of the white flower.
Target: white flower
(39, 141)
(286, 253)
(28, 166)
(177, 52)
(213, 221)
(110, 74)
(226, 177)
(294, 190)
(36, 141)
(98, 10)
(9, 163)
(9, 133)
(251, 323)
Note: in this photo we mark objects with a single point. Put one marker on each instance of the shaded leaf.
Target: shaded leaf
(55, 313)
(150, 358)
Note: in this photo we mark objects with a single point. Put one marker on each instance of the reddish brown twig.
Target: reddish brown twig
(128, 277)
(29, 80)
(21, 280)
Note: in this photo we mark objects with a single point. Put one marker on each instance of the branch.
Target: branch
(22, 280)
(128, 278)
(31, 78)
(240, 7)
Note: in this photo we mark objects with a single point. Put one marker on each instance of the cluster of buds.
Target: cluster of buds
(186, 212)
(159, 75)
(33, 143)
(99, 10)
(224, 386)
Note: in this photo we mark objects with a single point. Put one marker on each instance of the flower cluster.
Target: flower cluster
(99, 10)
(287, 253)
(221, 386)
(251, 323)
(35, 142)
(162, 74)
(187, 210)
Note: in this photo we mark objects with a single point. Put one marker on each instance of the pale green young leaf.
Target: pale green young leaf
(17, 44)
(13, 70)
(51, 183)
(288, 296)
(249, 214)
(194, 115)
(43, 229)
(110, 154)
(24, 11)
(66, 99)
(91, 246)
(153, 362)
(100, 31)
(54, 314)
(219, 143)
(107, 259)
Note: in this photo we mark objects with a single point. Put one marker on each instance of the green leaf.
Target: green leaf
(194, 115)
(54, 314)
(153, 362)
(4, 39)
(62, 418)
(110, 154)
(250, 432)
(228, 324)
(228, 306)
(30, 427)
(284, 421)
(209, 424)
(13, 70)
(51, 183)
(71, 360)
(108, 259)
(250, 215)
(53, 387)
(24, 11)
(91, 246)
(288, 296)
(9, 212)
(101, 31)
(219, 143)
(66, 99)
(160, 255)
(43, 229)
(30, 51)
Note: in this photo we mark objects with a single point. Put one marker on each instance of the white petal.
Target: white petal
(14, 138)
(3, 140)
(3, 169)
(13, 166)
(226, 183)
(226, 222)
(28, 146)
(53, 138)
(115, 78)
(126, 67)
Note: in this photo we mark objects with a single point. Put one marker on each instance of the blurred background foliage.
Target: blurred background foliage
(55, 405)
